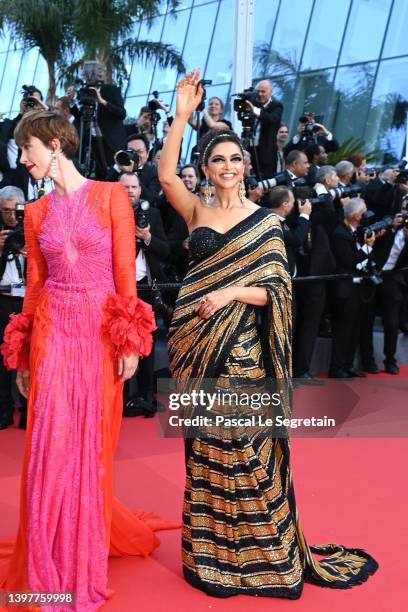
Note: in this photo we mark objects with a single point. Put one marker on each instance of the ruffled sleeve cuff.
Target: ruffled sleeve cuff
(130, 324)
(16, 345)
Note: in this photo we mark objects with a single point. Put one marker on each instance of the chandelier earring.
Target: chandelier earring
(53, 165)
(207, 193)
(242, 192)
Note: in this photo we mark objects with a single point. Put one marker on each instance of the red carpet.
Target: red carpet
(349, 491)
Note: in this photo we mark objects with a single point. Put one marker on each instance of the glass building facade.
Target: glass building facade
(343, 60)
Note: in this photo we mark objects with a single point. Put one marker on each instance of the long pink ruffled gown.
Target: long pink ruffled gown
(80, 313)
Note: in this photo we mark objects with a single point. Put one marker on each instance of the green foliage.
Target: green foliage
(103, 30)
(70, 31)
(351, 146)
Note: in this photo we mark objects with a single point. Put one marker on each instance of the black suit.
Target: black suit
(110, 121)
(347, 302)
(318, 259)
(158, 249)
(382, 198)
(392, 293)
(156, 252)
(294, 237)
(270, 121)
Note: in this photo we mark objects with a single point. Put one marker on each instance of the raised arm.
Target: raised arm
(189, 94)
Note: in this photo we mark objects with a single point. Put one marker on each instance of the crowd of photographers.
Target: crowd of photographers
(341, 219)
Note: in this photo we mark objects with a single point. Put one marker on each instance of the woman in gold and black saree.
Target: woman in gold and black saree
(241, 533)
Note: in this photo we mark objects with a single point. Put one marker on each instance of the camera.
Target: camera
(308, 135)
(250, 182)
(126, 157)
(203, 83)
(30, 102)
(246, 117)
(308, 120)
(153, 104)
(367, 229)
(87, 96)
(142, 215)
(15, 242)
(281, 179)
(348, 191)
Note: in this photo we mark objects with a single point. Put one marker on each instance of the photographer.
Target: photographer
(352, 254)
(213, 118)
(12, 272)
(268, 114)
(327, 182)
(14, 172)
(297, 165)
(152, 250)
(393, 290)
(103, 103)
(135, 159)
(383, 195)
(345, 171)
(317, 259)
(317, 157)
(309, 132)
(143, 124)
(282, 201)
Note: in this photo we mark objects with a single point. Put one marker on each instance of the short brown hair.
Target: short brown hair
(47, 125)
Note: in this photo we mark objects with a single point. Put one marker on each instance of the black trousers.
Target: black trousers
(346, 314)
(142, 382)
(366, 323)
(311, 299)
(8, 305)
(392, 294)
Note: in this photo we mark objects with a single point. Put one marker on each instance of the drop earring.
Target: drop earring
(242, 192)
(53, 165)
(207, 193)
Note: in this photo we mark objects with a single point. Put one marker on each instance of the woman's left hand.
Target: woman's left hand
(213, 301)
(127, 366)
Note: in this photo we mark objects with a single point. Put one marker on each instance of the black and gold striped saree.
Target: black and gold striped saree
(241, 532)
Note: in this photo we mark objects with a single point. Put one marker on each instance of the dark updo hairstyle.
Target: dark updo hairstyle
(214, 138)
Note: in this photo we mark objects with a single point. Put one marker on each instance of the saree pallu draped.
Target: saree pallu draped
(241, 532)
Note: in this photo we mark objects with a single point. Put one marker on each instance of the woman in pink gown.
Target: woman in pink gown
(78, 338)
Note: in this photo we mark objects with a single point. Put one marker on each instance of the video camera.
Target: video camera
(86, 96)
(246, 117)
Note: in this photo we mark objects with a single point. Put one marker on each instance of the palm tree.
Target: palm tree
(104, 31)
(86, 29)
(46, 24)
